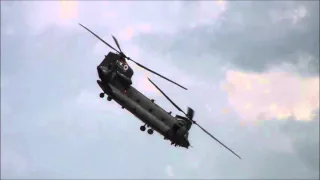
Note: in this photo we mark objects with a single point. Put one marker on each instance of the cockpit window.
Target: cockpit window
(123, 64)
(120, 62)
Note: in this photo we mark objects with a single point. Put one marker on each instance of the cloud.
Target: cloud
(90, 100)
(13, 163)
(264, 65)
(246, 50)
(250, 43)
(272, 95)
(275, 149)
(68, 9)
(64, 130)
(306, 145)
(107, 14)
(9, 31)
(295, 15)
(169, 171)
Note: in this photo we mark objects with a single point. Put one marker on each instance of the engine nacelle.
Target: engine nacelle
(183, 121)
(124, 79)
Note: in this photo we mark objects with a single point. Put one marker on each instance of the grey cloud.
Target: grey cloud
(305, 141)
(58, 140)
(246, 36)
(274, 150)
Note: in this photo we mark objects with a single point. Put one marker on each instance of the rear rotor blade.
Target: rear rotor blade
(217, 140)
(99, 38)
(156, 73)
(167, 97)
(117, 43)
(190, 113)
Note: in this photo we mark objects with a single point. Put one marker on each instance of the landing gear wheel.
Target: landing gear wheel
(109, 98)
(142, 128)
(150, 131)
(101, 95)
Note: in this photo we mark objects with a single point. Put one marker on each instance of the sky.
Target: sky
(251, 69)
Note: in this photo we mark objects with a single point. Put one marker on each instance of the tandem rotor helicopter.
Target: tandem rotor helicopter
(115, 81)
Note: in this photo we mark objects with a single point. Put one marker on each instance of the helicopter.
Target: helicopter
(115, 81)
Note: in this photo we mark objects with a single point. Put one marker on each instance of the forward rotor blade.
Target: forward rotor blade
(217, 140)
(99, 38)
(117, 43)
(167, 97)
(156, 73)
(120, 52)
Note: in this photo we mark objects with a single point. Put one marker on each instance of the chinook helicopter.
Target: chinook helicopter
(115, 81)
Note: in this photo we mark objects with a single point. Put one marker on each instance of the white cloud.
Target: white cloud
(89, 100)
(117, 16)
(12, 163)
(9, 30)
(5, 108)
(208, 12)
(169, 171)
(193, 161)
(3, 82)
(270, 95)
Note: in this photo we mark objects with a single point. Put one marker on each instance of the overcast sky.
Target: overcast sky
(252, 70)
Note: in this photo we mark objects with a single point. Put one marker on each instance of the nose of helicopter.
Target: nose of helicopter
(102, 71)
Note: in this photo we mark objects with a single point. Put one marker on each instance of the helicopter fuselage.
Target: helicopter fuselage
(115, 80)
